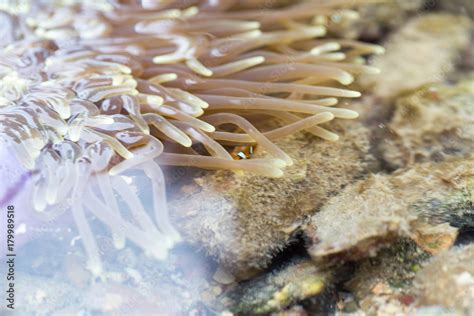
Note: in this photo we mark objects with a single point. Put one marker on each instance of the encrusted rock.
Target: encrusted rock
(431, 123)
(243, 219)
(371, 213)
(405, 280)
(448, 280)
(275, 291)
(374, 20)
(384, 282)
(422, 51)
(458, 6)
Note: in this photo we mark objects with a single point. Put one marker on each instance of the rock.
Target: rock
(430, 124)
(376, 211)
(223, 277)
(384, 282)
(467, 58)
(275, 291)
(244, 220)
(375, 19)
(433, 239)
(441, 39)
(448, 280)
(458, 6)
(423, 51)
(405, 280)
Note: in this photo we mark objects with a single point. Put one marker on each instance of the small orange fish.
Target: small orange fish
(243, 152)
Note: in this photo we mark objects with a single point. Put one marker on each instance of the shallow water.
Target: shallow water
(299, 207)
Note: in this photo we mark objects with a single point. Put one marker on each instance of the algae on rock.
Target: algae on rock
(382, 284)
(298, 280)
(422, 51)
(244, 220)
(374, 19)
(430, 124)
(376, 211)
(448, 280)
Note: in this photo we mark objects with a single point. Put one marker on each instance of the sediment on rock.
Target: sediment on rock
(430, 124)
(374, 19)
(448, 280)
(382, 284)
(376, 211)
(298, 280)
(437, 38)
(244, 220)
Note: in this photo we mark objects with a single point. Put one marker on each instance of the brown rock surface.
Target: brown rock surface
(375, 19)
(373, 212)
(431, 123)
(448, 280)
(422, 51)
(458, 6)
(296, 281)
(382, 285)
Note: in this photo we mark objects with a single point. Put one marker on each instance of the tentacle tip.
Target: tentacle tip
(39, 208)
(278, 173)
(172, 77)
(379, 50)
(198, 112)
(279, 163)
(254, 25)
(333, 138)
(332, 101)
(65, 113)
(146, 130)
(186, 142)
(119, 243)
(174, 237)
(208, 128)
(373, 70)
(168, 242)
(347, 79)
(328, 116)
(157, 60)
(190, 11)
(206, 73)
(177, 238)
(126, 70)
(165, 59)
(159, 254)
(113, 171)
(289, 162)
(353, 94)
(51, 200)
(259, 59)
(95, 268)
(352, 114)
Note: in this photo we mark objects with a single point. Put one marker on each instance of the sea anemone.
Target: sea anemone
(92, 94)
